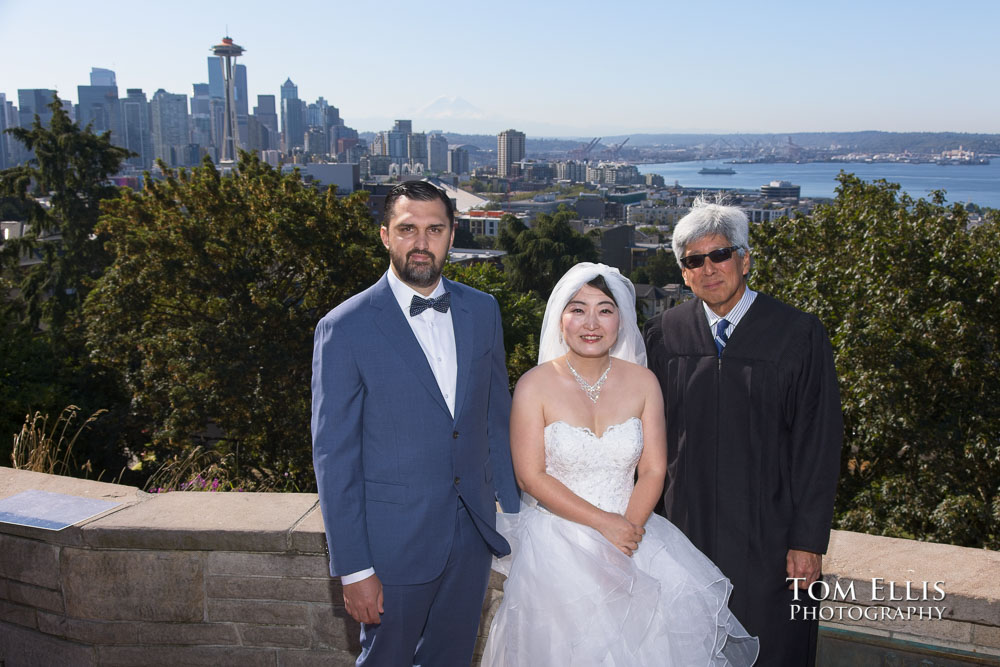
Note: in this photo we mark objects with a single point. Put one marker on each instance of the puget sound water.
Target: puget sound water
(978, 184)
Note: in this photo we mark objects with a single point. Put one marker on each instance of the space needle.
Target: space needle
(228, 52)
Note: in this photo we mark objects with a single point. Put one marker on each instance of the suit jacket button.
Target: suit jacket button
(457, 480)
(454, 434)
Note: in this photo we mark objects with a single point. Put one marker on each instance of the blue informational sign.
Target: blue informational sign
(51, 511)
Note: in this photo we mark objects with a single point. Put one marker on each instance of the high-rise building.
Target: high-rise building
(5, 157)
(458, 160)
(8, 118)
(202, 120)
(437, 152)
(242, 102)
(216, 82)
(99, 107)
(32, 101)
(510, 149)
(266, 113)
(228, 51)
(289, 91)
(395, 143)
(333, 117)
(404, 126)
(292, 126)
(169, 127)
(416, 148)
(137, 133)
(102, 77)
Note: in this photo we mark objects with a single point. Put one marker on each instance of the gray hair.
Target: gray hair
(707, 219)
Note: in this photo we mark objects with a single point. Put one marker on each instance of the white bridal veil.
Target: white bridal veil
(629, 346)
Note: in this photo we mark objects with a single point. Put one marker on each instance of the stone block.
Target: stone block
(316, 658)
(18, 614)
(189, 656)
(30, 561)
(271, 588)
(285, 636)
(331, 627)
(188, 634)
(203, 521)
(887, 619)
(309, 536)
(266, 564)
(133, 585)
(19, 646)
(969, 578)
(88, 632)
(33, 596)
(265, 612)
(14, 481)
(490, 605)
(986, 637)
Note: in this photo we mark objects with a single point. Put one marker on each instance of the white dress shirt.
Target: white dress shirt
(436, 335)
(733, 316)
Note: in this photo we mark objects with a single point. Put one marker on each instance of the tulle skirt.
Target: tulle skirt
(571, 598)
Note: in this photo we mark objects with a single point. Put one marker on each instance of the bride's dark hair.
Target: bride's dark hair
(602, 285)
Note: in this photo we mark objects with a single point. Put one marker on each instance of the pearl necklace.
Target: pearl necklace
(593, 391)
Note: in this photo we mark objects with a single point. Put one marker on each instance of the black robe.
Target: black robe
(753, 454)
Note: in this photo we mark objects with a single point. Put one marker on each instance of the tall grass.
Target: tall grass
(39, 448)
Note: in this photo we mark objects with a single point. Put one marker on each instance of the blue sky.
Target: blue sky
(549, 68)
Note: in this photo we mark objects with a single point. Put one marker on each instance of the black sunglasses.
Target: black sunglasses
(717, 256)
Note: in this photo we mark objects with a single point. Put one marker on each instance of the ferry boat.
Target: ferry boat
(717, 170)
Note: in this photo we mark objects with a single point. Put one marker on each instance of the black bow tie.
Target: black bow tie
(420, 304)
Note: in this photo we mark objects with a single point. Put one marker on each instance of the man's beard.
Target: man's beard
(424, 275)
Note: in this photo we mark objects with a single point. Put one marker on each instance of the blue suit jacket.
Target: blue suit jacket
(392, 464)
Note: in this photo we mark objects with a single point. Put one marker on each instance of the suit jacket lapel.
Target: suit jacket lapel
(392, 323)
(462, 321)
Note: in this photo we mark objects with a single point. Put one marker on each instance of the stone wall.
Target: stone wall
(241, 579)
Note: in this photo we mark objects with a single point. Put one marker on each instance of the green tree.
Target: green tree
(61, 188)
(660, 270)
(520, 313)
(209, 308)
(465, 239)
(44, 364)
(538, 256)
(911, 298)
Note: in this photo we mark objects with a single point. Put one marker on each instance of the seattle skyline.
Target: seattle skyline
(554, 69)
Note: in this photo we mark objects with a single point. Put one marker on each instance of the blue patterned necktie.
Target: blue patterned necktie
(720, 335)
(419, 304)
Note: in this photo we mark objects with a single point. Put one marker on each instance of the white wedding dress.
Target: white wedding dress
(571, 598)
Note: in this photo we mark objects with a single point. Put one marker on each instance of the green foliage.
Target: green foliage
(660, 270)
(538, 256)
(464, 239)
(43, 360)
(209, 307)
(520, 313)
(71, 168)
(911, 299)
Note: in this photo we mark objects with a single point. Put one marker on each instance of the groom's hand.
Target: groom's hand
(363, 600)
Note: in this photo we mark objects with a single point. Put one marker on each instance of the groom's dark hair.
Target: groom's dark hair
(419, 191)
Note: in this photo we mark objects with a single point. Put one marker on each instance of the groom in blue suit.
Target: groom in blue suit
(410, 414)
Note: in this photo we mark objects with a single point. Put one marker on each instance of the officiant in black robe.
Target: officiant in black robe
(754, 432)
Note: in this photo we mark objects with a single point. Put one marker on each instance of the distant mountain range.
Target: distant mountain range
(867, 141)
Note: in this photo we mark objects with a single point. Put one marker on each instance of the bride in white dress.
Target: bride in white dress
(594, 577)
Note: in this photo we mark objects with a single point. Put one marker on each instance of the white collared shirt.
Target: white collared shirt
(733, 316)
(436, 335)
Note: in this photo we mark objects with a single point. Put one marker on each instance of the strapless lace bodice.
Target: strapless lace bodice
(599, 469)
